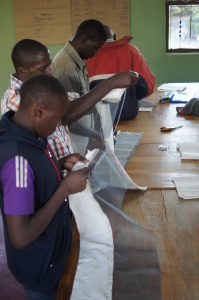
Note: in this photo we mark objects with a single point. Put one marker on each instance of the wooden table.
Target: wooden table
(154, 168)
(174, 221)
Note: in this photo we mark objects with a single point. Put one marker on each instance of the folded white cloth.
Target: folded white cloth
(187, 186)
(145, 108)
(94, 275)
(171, 87)
(189, 150)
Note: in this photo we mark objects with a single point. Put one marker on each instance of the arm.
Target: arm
(24, 227)
(82, 105)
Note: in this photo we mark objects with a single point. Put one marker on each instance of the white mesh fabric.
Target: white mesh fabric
(135, 269)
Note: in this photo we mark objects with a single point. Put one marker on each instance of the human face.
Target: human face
(50, 117)
(41, 64)
(90, 48)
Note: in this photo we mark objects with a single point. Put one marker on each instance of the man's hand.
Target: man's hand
(82, 105)
(24, 229)
(124, 79)
(75, 181)
(68, 161)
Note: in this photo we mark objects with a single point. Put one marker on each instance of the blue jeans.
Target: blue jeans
(31, 295)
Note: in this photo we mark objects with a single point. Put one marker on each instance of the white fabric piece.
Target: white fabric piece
(94, 275)
(126, 144)
(146, 109)
(126, 178)
(189, 150)
(105, 117)
(110, 266)
(114, 95)
(171, 87)
(187, 186)
(85, 121)
(107, 124)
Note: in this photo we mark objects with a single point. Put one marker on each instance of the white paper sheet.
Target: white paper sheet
(171, 87)
(187, 186)
(146, 109)
(189, 150)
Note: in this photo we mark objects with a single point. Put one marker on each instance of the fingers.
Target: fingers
(126, 79)
(134, 78)
(79, 157)
(75, 181)
(86, 172)
(135, 73)
(70, 160)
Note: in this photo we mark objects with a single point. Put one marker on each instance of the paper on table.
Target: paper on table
(171, 87)
(189, 150)
(187, 186)
(145, 108)
(183, 97)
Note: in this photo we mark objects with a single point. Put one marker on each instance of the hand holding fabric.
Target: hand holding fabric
(68, 161)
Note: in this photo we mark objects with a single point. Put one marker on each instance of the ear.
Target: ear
(22, 71)
(40, 110)
(84, 39)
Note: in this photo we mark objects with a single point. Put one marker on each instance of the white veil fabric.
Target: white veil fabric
(118, 257)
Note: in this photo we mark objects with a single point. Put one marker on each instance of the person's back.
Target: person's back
(119, 55)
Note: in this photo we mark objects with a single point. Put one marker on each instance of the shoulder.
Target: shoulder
(63, 55)
(16, 168)
(62, 64)
(134, 49)
(64, 70)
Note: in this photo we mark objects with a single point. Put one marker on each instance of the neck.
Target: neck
(23, 120)
(76, 45)
(19, 77)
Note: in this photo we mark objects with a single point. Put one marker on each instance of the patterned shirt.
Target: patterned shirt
(59, 140)
(11, 98)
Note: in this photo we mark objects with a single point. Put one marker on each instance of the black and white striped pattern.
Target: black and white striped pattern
(21, 172)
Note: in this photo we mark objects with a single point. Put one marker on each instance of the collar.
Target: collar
(75, 56)
(109, 40)
(15, 82)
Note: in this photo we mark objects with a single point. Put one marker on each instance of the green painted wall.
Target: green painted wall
(148, 29)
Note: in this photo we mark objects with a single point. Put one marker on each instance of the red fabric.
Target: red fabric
(119, 56)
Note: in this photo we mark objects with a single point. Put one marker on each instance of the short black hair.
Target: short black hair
(92, 29)
(109, 32)
(25, 51)
(41, 88)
